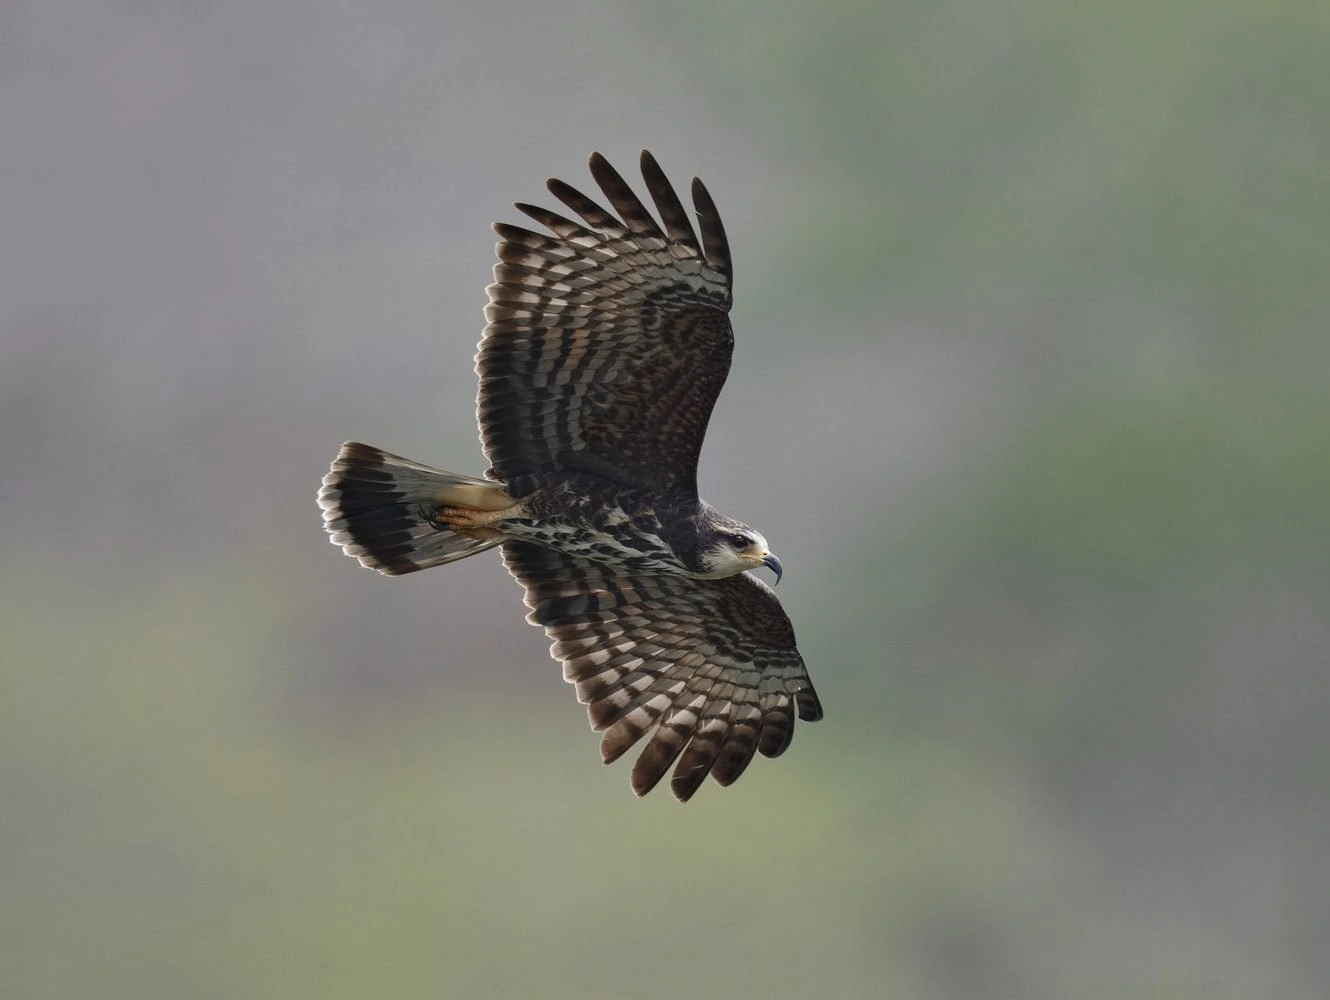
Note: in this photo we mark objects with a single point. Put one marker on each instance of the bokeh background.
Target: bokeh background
(1030, 394)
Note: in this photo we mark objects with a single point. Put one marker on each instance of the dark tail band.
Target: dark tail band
(380, 509)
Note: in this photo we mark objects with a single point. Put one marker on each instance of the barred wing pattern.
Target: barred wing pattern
(708, 667)
(608, 341)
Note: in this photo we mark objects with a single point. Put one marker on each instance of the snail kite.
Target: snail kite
(607, 343)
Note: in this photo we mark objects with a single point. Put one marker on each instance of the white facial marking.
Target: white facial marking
(735, 551)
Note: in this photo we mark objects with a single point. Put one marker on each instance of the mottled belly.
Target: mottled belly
(618, 541)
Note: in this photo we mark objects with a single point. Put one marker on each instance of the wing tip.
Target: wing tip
(808, 704)
(715, 244)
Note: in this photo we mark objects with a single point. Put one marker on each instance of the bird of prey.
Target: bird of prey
(607, 343)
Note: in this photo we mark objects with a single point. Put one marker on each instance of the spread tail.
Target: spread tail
(380, 509)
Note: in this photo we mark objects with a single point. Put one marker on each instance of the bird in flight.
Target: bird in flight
(607, 343)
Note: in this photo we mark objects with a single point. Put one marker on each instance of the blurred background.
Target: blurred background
(1029, 393)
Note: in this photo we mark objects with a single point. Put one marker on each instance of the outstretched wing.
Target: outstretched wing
(708, 667)
(608, 341)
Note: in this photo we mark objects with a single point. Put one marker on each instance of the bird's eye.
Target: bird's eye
(740, 541)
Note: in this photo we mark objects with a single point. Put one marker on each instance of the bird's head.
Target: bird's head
(736, 548)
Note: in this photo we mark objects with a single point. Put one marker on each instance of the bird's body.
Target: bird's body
(634, 529)
(625, 528)
(606, 347)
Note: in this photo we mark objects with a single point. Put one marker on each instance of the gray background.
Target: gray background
(1029, 395)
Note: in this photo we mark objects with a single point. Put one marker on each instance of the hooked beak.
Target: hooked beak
(773, 564)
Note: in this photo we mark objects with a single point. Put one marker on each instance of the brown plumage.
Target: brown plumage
(709, 664)
(608, 341)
